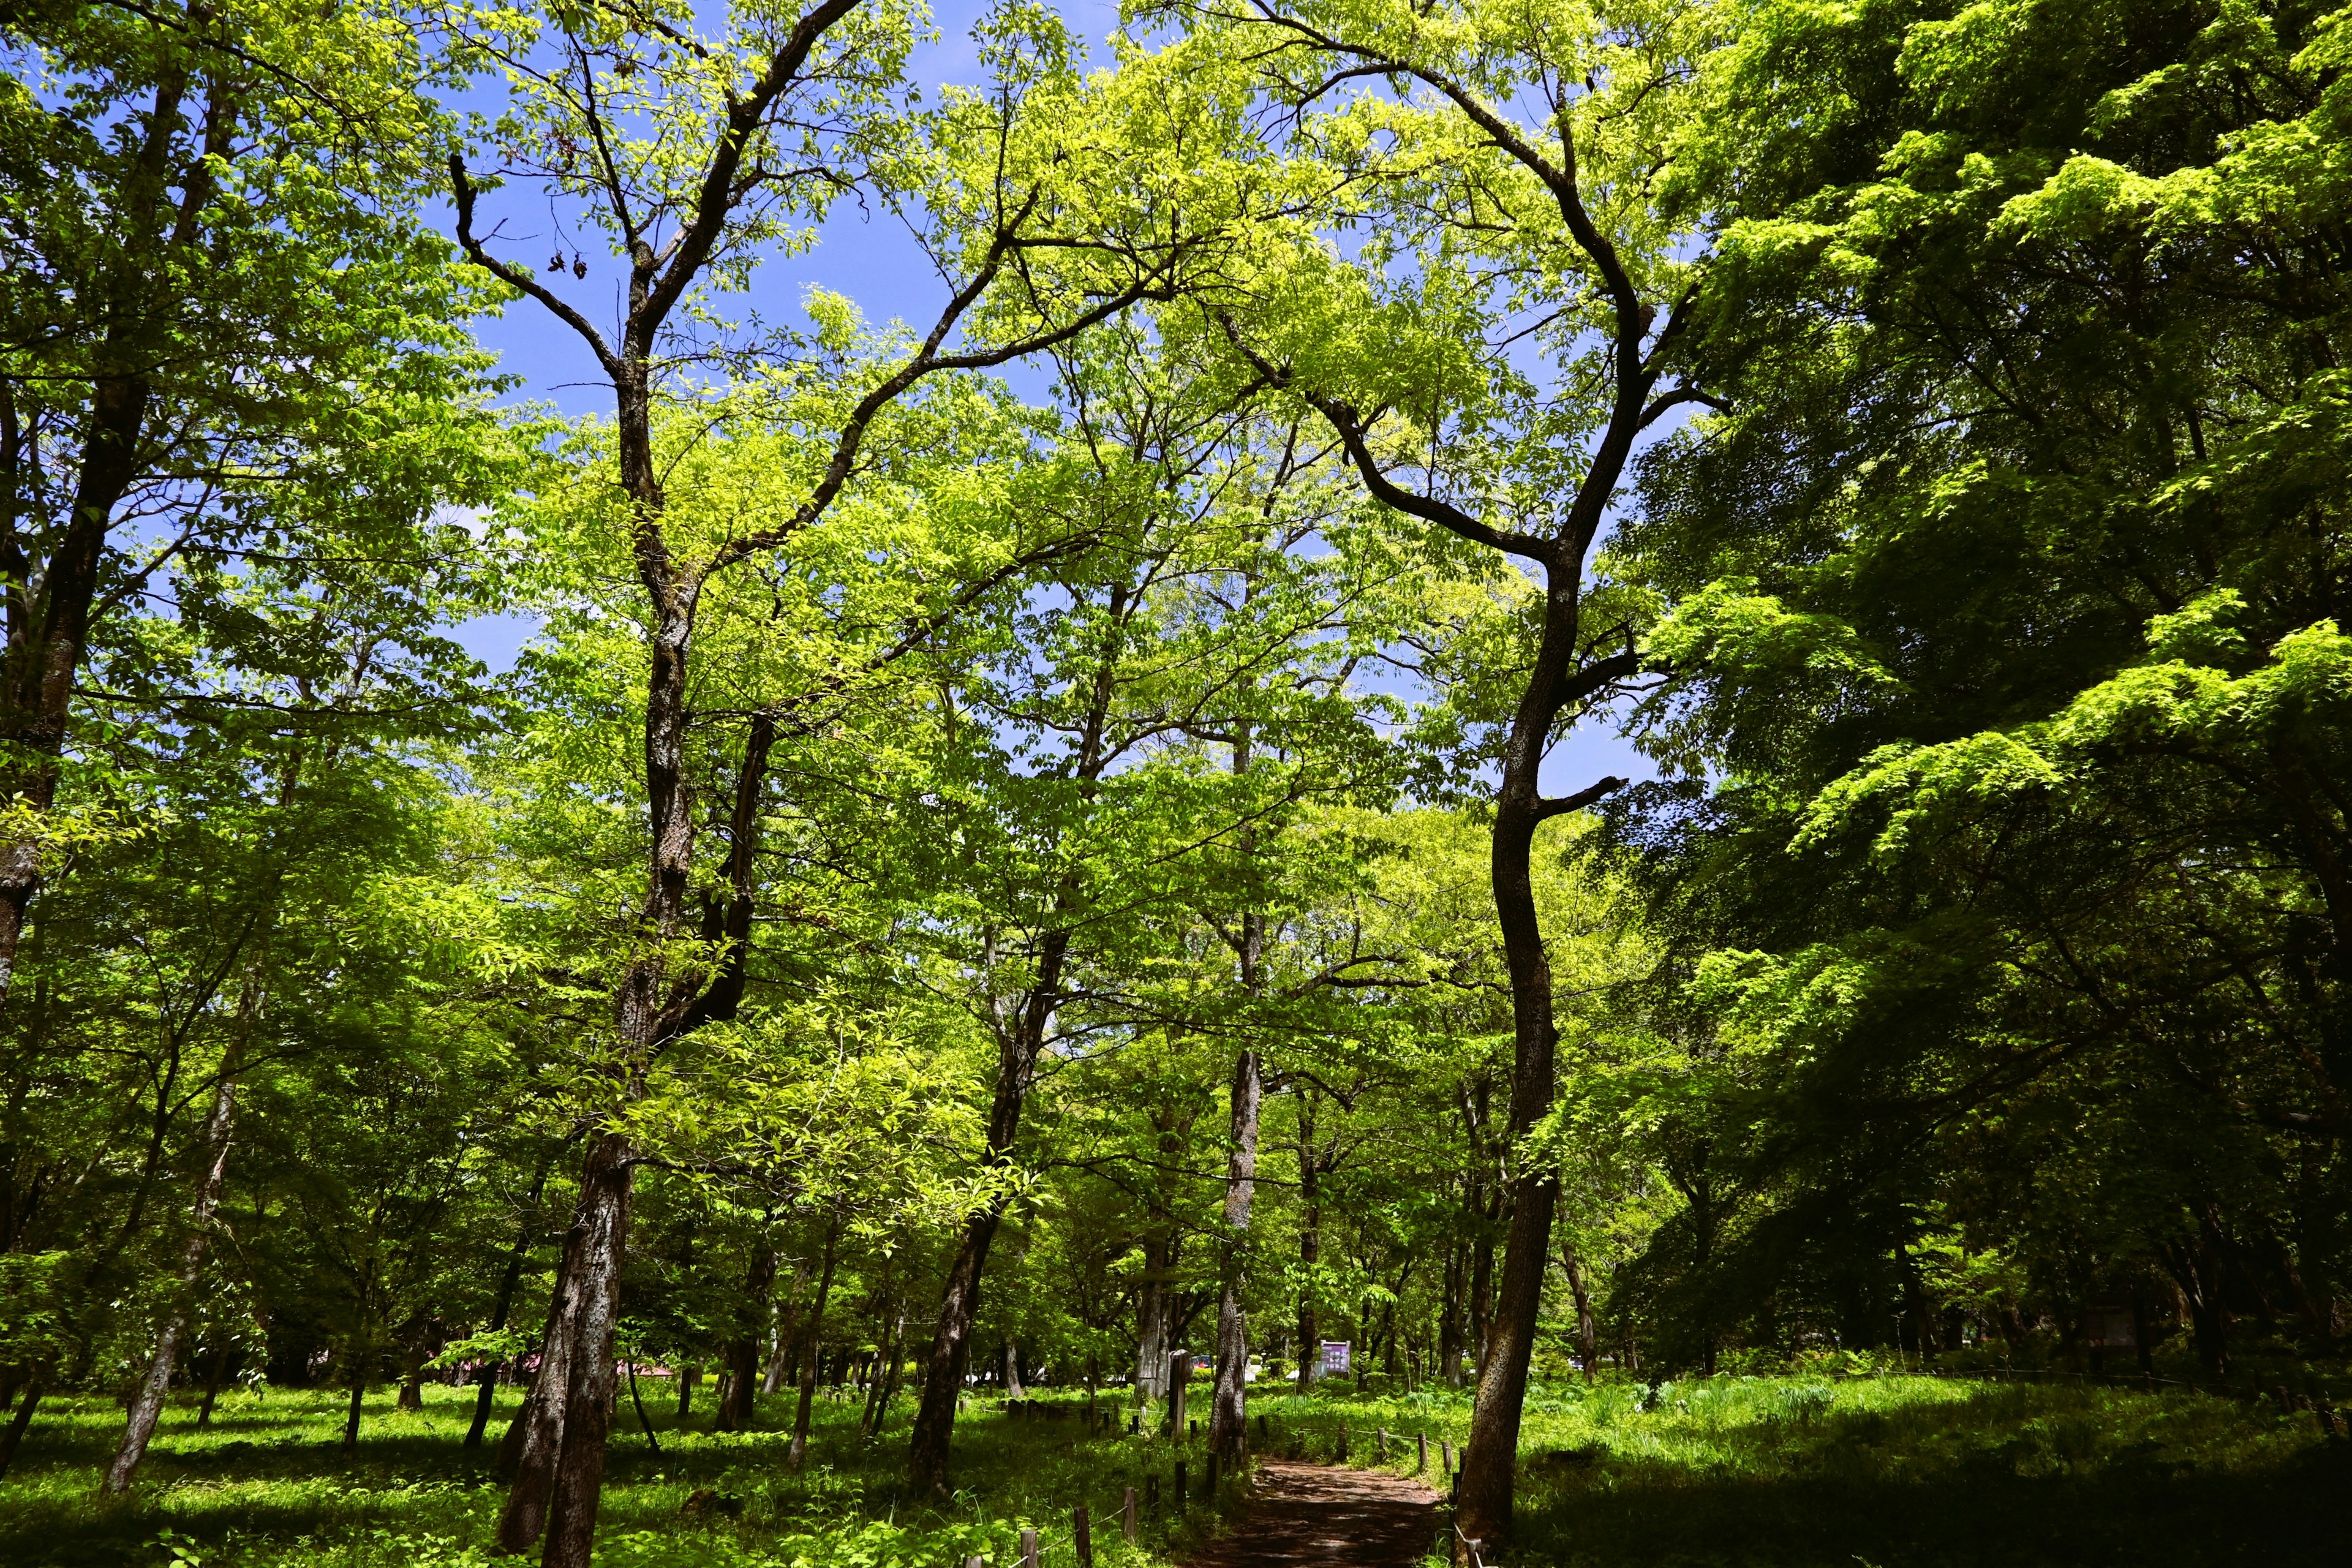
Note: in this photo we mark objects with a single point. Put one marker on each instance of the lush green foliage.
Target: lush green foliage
(1030, 842)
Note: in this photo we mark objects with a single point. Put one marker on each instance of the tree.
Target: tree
(1507, 172)
(691, 158)
(2006, 598)
(218, 294)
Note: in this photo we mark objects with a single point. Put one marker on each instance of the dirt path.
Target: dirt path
(1322, 1516)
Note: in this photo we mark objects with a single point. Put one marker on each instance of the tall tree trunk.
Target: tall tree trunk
(883, 1381)
(412, 1377)
(1588, 1338)
(1229, 1394)
(784, 1366)
(812, 1339)
(503, 1305)
(1558, 678)
(580, 1322)
(49, 603)
(1310, 1243)
(1228, 1407)
(2199, 1270)
(147, 1406)
(1152, 1309)
(1013, 1389)
(736, 1411)
(1017, 1050)
(1449, 1321)
(1490, 1469)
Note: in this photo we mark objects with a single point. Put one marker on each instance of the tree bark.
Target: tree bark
(560, 1434)
(359, 1394)
(1152, 1312)
(1588, 1338)
(1017, 1052)
(412, 1378)
(812, 1337)
(503, 1305)
(884, 1382)
(49, 603)
(735, 1412)
(27, 1404)
(1310, 1243)
(147, 1406)
(1229, 1402)
(215, 1371)
(1449, 1323)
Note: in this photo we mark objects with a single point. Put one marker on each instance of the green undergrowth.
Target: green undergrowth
(267, 1486)
(1776, 1471)
(1880, 1471)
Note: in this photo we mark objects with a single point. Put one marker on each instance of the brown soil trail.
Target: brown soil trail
(1324, 1516)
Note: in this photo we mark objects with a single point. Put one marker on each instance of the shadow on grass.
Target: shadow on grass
(1996, 1479)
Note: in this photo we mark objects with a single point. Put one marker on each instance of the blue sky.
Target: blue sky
(872, 261)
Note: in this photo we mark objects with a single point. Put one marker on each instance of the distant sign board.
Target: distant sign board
(2110, 1328)
(1335, 1357)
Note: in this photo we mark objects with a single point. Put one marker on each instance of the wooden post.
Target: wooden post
(1028, 1549)
(1180, 1486)
(1380, 1444)
(1192, 1429)
(1446, 1455)
(1209, 1487)
(1126, 1516)
(975, 1563)
(1180, 1373)
(1421, 1441)
(1081, 1536)
(1343, 1442)
(1260, 1429)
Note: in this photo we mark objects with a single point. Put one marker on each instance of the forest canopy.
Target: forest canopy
(1542, 691)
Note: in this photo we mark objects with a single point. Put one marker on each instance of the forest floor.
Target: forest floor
(1327, 1516)
(1779, 1472)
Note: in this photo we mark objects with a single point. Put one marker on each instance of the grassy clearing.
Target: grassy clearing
(267, 1486)
(1766, 1471)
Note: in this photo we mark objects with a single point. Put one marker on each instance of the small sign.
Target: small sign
(2110, 1329)
(1335, 1357)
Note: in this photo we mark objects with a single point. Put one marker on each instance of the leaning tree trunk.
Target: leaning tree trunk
(950, 1355)
(14, 1434)
(147, 1406)
(509, 1280)
(52, 601)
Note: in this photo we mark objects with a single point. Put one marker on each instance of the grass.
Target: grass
(267, 1486)
(1921, 1472)
(1911, 1471)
